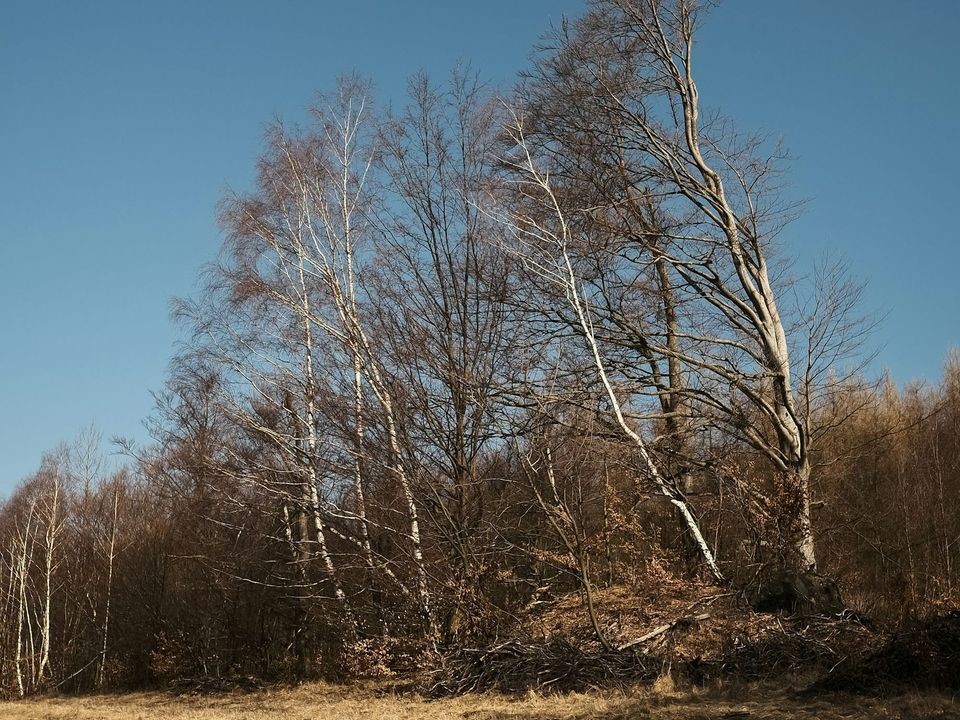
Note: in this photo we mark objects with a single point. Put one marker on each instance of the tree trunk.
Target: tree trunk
(805, 545)
(111, 554)
(51, 543)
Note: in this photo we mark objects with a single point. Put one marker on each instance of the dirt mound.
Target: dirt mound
(925, 656)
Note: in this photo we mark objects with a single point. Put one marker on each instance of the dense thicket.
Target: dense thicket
(462, 359)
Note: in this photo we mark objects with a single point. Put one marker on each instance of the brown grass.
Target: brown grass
(325, 702)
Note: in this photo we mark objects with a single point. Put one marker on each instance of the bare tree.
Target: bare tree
(111, 553)
(299, 246)
(615, 107)
(441, 307)
(544, 238)
(51, 501)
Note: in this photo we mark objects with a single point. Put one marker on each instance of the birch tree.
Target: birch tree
(544, 239)
(301, 244)
(111, 556)
(52, 513)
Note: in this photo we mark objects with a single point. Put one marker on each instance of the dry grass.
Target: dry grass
(325, 702)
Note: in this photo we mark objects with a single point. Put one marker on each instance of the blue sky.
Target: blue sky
(122, 124)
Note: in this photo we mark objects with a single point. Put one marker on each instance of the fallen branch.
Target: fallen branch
(662, 629)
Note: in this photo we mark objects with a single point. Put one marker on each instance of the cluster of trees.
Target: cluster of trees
(463, 358)
(61, 538)
(889, 484)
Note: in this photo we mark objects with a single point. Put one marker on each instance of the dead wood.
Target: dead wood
(657, 632)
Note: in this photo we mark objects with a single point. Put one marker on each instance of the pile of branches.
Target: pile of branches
(215, 685)
(792, 644)
(554, 665)
(753, 651)
(925, 656)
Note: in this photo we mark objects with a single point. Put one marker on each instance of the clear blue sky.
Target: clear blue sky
(122, 123)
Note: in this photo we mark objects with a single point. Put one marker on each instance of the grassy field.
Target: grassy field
(325, 702)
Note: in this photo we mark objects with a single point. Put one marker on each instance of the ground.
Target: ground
(325, 702)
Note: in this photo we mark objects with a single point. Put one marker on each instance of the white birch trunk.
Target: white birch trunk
(23, 611)
(385, 399)
(423, 587)
(358, 425)
(111, 554)
(52, 531)
(311, 421)
(358, 462)
(567, 278)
